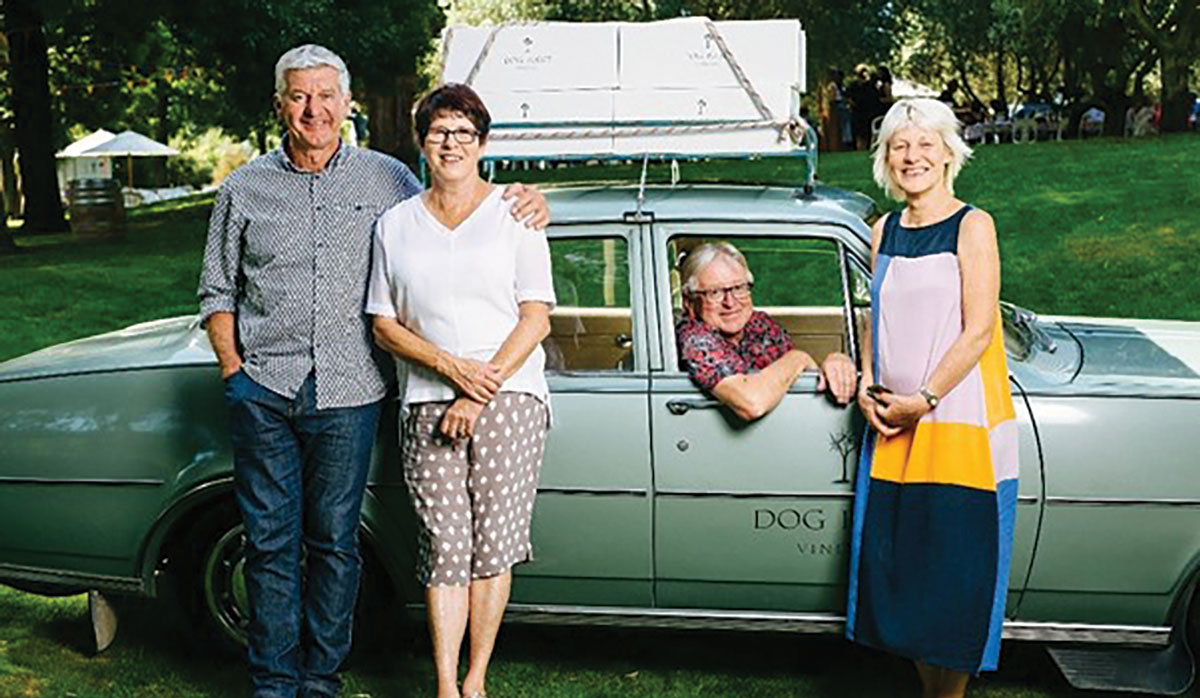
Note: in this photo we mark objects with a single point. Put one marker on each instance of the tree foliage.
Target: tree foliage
(166, 68)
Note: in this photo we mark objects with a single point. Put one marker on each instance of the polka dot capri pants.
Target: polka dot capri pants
(474, 498)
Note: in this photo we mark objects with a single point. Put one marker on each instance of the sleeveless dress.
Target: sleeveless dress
(934, 506)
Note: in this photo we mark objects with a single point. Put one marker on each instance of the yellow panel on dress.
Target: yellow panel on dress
(936, 453)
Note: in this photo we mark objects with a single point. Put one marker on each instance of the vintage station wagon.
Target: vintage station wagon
(657, 507)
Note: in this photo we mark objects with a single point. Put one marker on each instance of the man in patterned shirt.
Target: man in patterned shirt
(282, 292)
(738, 354)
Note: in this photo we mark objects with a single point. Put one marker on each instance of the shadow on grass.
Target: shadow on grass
(545, 662)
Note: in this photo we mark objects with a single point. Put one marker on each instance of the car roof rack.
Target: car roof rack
(800, 134)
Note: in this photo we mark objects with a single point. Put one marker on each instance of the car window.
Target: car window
(591, 328)
(797, 281)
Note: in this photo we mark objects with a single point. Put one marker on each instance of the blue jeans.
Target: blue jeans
(299, 475)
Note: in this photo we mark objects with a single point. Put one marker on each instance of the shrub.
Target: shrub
(207, 158)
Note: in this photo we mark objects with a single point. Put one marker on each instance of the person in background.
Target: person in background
(832, 105)
(865, 104)
(949, 95)
(936, 490)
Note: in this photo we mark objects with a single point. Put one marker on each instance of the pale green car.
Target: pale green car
(657, 507)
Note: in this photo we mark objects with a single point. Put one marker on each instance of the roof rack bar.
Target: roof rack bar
(805, 146)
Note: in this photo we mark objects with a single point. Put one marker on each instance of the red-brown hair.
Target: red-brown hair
(452, 98)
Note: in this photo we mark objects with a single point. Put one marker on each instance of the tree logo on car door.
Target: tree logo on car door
(844, 443)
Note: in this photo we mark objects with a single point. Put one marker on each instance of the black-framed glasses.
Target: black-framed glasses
(465, 136)
(740, 292)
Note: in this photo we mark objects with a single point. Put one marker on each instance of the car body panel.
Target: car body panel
(111, 443)
(92, 459)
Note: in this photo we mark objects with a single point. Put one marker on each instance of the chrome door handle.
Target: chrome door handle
(682, 405)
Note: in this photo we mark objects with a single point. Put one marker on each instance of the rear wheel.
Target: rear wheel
(208, 577)
(205, 578)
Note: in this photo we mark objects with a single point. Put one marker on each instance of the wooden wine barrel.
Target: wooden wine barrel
(97, 207)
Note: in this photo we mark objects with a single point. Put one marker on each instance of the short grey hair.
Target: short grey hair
(704, 255)
(310, 56)
(928, 115)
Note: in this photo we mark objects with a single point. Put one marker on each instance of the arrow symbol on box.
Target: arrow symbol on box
(700, 105)
(524, 110)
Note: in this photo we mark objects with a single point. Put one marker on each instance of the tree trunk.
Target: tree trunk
(1001, 92)
(1172, 36)
(406, 147)
(8, 168)
(162, 91)
(162, 132)
(29, 78)
(7, 244)
(391, 120)
(1175, 102)
(383, 117)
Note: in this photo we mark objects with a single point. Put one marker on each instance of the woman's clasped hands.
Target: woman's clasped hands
(889, 413)
(478, 382)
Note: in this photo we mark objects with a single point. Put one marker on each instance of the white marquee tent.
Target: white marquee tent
(91, 156)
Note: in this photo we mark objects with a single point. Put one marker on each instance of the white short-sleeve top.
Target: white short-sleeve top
(460, 289)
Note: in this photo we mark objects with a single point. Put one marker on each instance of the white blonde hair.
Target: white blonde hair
(703, 255)
(928, 115)
(310, 56)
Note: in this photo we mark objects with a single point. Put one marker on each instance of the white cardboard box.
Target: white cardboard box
(542, 56)
(565, 107)
(702, 104)
(682, 53)
(568, 73)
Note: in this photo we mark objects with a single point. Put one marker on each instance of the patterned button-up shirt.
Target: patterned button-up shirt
(709, 357)
(289, 254)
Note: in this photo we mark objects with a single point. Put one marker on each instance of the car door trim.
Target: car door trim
(1023, 499)
(136, 482)
(711, 619)
(753, 495)
(1121, 502)
(602, 491)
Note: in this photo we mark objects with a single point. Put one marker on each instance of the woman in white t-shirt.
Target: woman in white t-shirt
(461, 293)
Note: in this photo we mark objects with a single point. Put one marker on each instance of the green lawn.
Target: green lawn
(43, 654)
(1101, 227)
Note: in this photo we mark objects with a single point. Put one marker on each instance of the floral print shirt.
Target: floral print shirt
(710, 357)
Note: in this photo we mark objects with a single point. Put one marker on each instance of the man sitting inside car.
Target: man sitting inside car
(738, 354)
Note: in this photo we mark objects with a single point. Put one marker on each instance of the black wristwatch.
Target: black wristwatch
(932, 399)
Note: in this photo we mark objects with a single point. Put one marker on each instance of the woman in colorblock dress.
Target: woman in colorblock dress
(936, 488)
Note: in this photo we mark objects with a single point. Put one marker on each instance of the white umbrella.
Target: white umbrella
(86, 143)
(130, 144)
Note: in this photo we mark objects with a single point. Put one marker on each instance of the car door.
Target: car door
(592, 521)
(757, 515)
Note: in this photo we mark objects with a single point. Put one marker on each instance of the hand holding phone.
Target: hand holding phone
(875, 390)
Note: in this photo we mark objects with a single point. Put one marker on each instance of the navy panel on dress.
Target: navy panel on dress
(936, 573)
(939, 237)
